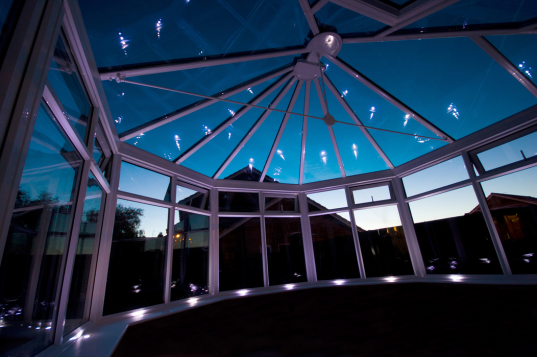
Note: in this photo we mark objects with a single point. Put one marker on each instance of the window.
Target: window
(371, 194)
(66, 84)
(281, 204)
(512, 200)
(285, 251)
(383, 242)
(443, 174)
(38, 236)
(238, 201)
(333, 246)
(190, 265)
(241, 263)
(87, 246)
(452, 234)
(193, 196)
(140, 181)
(137, 257)
(327, 200)
(517, 150)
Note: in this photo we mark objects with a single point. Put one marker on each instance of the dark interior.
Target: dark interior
(402, 319)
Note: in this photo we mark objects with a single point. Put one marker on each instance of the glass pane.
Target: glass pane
(190, 196)
(8, 18)
(190, 264)
(478, 12)
(66, 84)
(513, 151)
(372, 194)
(37, 239)
(327, 200)
(346, 21)
(443, 174)
(452, 234)
(333, 246)
(136, 271)
(238, 201)
(519, 49)
(81, 289)
(383, 242)
(285, 251)
(204, 29)
(140, 181)
(281, 204)
(469, 93)
(241, 263)
(512, 200)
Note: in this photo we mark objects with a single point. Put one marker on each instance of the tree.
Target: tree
(127, 223)
(23, 198)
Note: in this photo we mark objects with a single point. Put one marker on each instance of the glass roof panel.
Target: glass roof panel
(346, 21)
(285, 164)
(172, 139)
(520, 50)
(133, 105)
(357, 153)
(451, 82)
(257, 149)
(122, 33)
(369, 107)
(402, 148)
(320, 162)
(479, 12)
(220, 147)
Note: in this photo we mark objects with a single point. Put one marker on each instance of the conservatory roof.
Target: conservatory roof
(219, 86)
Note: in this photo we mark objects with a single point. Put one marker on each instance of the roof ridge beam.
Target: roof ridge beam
(382, 13)
(390, 98)
(172, 66)
(312, 21)
(419, 13)
(231, 119)
(254, 128)
(290, 106)
(194, 107)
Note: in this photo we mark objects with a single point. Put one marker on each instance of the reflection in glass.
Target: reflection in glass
(333, 246)
(285, 251)
(37, 239)
(66, 84)
(520, 50)
(321, 201)
(372, 194)
(79, 303)
(238, 201)
(190, 265)
(512, 200)
(281, 204)
(241, 263)
(513, 151)
(383, 242)
(137, 257)
(192, 196)
(140, 181)
(452, 234)
(443, 174)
